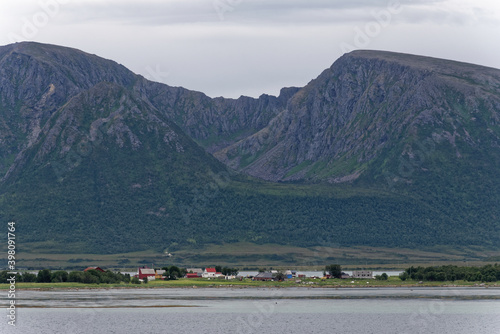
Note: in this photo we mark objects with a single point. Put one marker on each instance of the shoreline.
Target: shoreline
(413, 286)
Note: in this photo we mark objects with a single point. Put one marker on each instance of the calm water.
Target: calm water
(225, 310)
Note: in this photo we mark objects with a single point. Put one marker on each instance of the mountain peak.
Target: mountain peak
(424, 63)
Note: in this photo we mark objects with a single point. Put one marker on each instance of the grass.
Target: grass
(391, 282)
(251, 255)
(205, 283)
(315, 258)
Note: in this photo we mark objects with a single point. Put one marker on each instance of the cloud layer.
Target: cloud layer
(233, 47)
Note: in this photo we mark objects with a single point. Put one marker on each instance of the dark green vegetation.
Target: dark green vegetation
(174, 272)
(334, 270)
(62, 276)
(382, 150)
(383, 277)
(488, 273)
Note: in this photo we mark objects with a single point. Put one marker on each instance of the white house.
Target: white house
(209, 273)
(362, 274)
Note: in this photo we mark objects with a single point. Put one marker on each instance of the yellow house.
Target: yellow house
(159, 274)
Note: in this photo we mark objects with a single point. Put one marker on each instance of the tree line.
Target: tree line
(87, 277)
(487, 273)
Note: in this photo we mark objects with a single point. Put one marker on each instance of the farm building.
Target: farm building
(362, 274)
(290, 274)
(193, 275)
(264, 277)
(344, 275)
(146, 272)
(194, 270)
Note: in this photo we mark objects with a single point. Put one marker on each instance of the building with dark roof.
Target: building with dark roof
(267, 276)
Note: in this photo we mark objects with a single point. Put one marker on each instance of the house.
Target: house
(94, 268)
(209, 273)
(264, 277)
(193, 275)
(362, 274)
(194, 270)
(344, 275)
(160, 274)
(146, 272)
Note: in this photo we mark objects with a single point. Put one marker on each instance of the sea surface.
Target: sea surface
(256, 310)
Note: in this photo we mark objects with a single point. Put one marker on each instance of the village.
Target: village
(210, 273)
(208, 276)
(271, 275)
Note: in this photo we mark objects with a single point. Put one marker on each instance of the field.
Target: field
(205, 283)
(252, 256)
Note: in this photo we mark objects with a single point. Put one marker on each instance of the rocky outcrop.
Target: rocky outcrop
(366, 102)
(35, 80)
(214, 123)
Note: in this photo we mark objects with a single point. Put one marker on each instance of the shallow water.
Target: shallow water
(252, 310)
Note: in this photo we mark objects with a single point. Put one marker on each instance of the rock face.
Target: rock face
(214, 123)
(368, 102)
(406, 150)
(37, 79)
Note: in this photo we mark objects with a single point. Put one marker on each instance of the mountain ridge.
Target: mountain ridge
(421, 82)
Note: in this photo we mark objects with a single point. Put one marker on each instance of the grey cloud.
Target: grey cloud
(253, 49)
(154, 12)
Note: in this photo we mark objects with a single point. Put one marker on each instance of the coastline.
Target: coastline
(4, 287)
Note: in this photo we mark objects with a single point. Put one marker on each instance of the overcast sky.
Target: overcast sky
(250, 47)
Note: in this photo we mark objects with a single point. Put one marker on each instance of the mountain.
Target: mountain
(103, 172)
(382, 149)
(35, 80)
(367, 103)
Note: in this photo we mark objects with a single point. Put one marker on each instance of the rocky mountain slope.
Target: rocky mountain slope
(366, 103)
(383, 149)
(35, 80)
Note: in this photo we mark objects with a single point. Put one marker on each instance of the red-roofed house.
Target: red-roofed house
(209, 272)
(146, 272)
(94, 268)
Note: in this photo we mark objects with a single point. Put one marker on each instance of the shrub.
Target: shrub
(44, 276)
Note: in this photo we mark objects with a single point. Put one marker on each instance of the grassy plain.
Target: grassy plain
(205, 283)
(245, 255)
